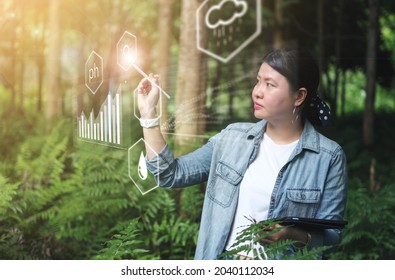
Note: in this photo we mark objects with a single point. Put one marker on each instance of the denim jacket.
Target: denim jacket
(311, 184)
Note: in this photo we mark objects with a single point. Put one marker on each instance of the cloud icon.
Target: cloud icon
(225, 13)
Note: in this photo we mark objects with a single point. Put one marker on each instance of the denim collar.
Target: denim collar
(308, 140)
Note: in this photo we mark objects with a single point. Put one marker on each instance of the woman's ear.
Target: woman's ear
(300, 97)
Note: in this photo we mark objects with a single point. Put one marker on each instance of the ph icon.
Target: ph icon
(94, 72)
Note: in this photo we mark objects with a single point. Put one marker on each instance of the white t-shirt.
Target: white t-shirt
(257, 185)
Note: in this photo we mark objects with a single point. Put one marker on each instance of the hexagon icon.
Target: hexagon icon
(138, 172)
(94, 72)
(126, 50)
(225, 27)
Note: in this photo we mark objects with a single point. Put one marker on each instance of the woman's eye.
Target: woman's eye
(269, 85)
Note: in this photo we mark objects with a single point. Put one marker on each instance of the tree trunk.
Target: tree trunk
(40, 62)
(371, 50)
(278, 34)
(164, 42)
(53, 107)
(321, 46)
(81, 88)
(39, 45)
(215, 87)
(22, 59)
(14, 55)
(203, 80)
(343, 93)
(189, 80)
(231, 93)
(338, 49)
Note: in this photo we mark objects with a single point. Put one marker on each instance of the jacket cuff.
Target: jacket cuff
(161, 161)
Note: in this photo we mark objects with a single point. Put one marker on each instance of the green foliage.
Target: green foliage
(111, 200)
(387, 26)
(8, 191)
(41, 161)
(355, 84)
(64, 200)
(369, 212)
(369, 234)
(255, 233)
(174, 237)
(9, 243)
(42, 179)
(124, 244)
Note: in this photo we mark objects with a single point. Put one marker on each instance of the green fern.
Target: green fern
(174, 237)
(255, 232)
(191, 202)
(41, 160)
(125, 244)
(369, 233)
(8, 191)
(9, 236)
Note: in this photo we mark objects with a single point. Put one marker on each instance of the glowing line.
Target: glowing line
(146, 76)
(103, 144)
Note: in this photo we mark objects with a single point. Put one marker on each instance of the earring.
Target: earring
(295, 118)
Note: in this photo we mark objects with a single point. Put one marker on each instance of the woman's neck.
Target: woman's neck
(285, 133)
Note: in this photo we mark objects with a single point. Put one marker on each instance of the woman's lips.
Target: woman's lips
(257, 106)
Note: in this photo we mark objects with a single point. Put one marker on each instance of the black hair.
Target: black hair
(301, 70)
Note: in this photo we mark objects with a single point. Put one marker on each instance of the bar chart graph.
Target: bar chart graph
(106, 126)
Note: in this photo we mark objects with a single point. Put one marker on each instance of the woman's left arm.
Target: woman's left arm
(332, 207)
(334, 198)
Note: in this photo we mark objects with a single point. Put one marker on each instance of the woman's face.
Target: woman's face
(272, 96)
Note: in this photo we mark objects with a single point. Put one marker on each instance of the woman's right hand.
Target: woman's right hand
(148, 96)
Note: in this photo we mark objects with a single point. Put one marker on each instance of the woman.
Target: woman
(280, 166)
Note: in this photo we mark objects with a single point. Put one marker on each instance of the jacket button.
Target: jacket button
(303, 196)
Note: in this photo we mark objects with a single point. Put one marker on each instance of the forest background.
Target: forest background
(63, 198)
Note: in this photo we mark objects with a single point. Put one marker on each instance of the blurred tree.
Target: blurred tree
(53, 60)
(81, 52)
(191, 83)
(8, 47)
(338, 50)
(371, 54)
(278, 30)
(39, 28)
(164, 42)
(320, 40)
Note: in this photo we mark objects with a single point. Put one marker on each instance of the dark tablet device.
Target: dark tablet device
(313, 223)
